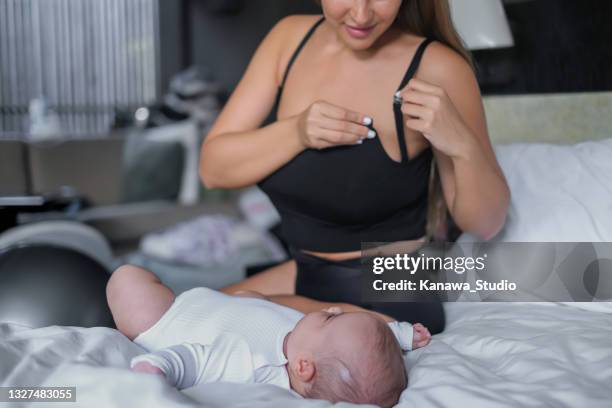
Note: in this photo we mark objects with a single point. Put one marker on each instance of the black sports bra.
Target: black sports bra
(331, 200)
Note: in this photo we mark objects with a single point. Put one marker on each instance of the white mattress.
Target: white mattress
(490, 355)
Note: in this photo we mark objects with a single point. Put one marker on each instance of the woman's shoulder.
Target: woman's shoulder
(297, 20)
(441, 63)
(294, 25)
(291, 30)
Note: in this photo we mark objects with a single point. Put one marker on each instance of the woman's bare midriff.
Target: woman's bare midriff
(388, 249)
(335, 256)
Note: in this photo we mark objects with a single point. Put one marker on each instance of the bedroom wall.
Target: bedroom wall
(561, 45)
(552, 118)
(223, 42)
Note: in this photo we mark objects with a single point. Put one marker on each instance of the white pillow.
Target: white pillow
(560, 193)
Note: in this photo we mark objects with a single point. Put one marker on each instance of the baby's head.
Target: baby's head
(351, 357)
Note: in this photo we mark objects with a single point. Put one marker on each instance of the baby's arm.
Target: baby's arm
(180, 364)
(410, 336)
(228, 358)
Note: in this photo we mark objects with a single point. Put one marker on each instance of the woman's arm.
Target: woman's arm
(404, 332)
(447, 98)
(236, 152)
(240, 159)
(408, 336)
(306, 305)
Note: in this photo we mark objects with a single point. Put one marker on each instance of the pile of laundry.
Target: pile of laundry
(213, 250)
(209, 240)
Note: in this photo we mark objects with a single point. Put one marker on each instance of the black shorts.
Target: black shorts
(340, 281)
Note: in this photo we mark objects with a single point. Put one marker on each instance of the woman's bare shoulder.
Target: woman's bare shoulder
(295, 22)
(292, 29)
(441, 64)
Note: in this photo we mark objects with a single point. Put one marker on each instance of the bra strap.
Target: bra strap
(397, 107)
(416, 60)
(299, 48)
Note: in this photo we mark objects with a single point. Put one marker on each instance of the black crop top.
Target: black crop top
(331, 200)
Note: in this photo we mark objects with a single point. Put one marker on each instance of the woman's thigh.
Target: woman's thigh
(137, 299)
(279, 279)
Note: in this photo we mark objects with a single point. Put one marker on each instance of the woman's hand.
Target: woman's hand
(333, 310)
(324, 125)
(250, 294)
(428, 109)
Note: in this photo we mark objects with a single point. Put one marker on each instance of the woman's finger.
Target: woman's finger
(335, 137)
(322, 143)
(336, 112)
(347, 127)
(422, 86)
(418, 111)
(420, 98)
(419, 125)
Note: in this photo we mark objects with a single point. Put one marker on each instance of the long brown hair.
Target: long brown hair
(432, 19)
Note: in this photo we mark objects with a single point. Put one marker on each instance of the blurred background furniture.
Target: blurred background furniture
(103, 105)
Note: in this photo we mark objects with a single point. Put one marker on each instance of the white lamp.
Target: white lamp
(482, 24)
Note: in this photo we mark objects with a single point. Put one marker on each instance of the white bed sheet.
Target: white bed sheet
(490, 355)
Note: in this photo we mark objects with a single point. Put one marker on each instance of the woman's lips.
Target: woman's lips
(359, 33)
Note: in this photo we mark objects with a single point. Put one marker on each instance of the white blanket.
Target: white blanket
(490, 355)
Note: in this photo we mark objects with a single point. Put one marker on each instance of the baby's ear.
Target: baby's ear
(305, 369)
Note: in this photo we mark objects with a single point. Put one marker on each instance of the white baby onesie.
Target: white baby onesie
(208, 336)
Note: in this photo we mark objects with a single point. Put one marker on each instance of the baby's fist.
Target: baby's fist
(421, 336)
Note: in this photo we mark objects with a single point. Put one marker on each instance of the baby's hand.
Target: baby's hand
(421, 336)
(145, 367)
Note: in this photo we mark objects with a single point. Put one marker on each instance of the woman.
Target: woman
(335, 177)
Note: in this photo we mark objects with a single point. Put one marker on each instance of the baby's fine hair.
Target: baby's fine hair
(376, 376)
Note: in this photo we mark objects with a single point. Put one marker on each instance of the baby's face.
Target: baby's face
(348, 332)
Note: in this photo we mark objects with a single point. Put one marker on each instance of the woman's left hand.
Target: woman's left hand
(250, 294)
(428, 109)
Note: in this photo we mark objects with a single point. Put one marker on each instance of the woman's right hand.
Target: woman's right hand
(324, 125)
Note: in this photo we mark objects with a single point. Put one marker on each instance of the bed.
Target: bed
(490, 355)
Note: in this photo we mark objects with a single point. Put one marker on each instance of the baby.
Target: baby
(208, 336)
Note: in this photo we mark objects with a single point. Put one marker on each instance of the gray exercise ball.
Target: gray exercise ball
(44, 285)
(61, 233)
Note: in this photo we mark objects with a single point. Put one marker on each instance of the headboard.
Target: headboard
(549, 118)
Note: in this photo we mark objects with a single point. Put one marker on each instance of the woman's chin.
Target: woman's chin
(358, 45)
